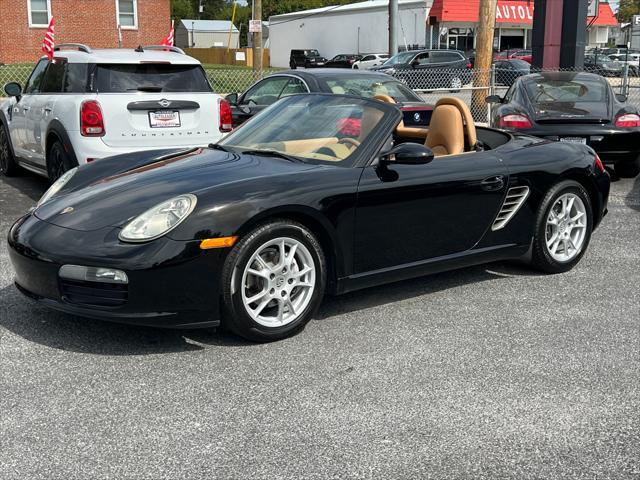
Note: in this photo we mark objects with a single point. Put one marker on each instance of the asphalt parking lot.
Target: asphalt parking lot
(487, 372)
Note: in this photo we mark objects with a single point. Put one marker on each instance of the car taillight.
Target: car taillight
(598, 164)
(469, 65)
(226, 116)
(628, 120)
(91, 119)
(514, 120)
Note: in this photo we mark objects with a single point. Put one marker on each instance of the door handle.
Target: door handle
(492, 183)
(26, 109)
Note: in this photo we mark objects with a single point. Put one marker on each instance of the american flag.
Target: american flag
(168, 40)
(49, 41)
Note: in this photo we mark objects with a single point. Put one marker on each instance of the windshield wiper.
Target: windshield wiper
(272, 153)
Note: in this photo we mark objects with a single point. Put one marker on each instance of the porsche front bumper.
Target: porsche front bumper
(170, 283)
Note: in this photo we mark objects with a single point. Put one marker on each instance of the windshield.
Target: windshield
(399, 58)
(151, 77)
(370, 87)
(572, 91)
(316, 128)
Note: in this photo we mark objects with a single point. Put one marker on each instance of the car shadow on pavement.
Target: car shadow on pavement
(40, 325)
(632, 200)
(29, 184)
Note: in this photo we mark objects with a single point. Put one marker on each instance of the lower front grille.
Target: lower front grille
(94, 294)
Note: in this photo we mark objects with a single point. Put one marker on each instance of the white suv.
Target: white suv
(90, 104)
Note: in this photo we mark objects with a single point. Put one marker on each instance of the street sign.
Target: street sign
(255, 26)
(592, 9)
(636, 20)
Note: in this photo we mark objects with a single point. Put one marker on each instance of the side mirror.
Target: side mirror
(13, 89)
(621, 97)
(232, 98)
(408, 154)
(494, 99)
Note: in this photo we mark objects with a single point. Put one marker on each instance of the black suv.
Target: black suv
(306, 59)
(425, 69)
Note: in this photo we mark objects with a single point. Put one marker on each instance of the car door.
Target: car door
(23, 106)
(367, 62)
(261, 95)
(414, 213)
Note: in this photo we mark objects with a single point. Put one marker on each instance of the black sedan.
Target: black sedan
(507, 71)
(353, 82)
(573, 107)
(343, 60)
(318, 194)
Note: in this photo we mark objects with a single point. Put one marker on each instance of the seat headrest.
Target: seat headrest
(466, 115)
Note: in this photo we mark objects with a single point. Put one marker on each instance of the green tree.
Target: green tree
(181, 9)
(627, 9)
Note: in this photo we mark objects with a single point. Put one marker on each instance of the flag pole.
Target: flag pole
(233, 19)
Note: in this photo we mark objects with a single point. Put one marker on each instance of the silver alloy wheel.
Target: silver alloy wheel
(566, 227)
(278, 282)
(456, 83)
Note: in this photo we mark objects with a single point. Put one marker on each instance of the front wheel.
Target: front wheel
(628, 169)
(563, 228)
(8, 166)
(273, 281)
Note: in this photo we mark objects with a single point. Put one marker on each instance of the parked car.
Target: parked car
(306, 59)
(362, 83)
(525, 55)
(428, 69)
(370, 60)
(254, 230)
(343, 61)
(602, 65)
(506, 71)
(615, 51)
(89, 104)
(630, 59)
(576, 108)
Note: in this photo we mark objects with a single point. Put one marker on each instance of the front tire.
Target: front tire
(58, 161)
(8, 165)
(563, 228)
(273, 281)
(628, 169)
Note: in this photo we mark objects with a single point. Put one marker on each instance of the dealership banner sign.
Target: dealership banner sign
(509, 11)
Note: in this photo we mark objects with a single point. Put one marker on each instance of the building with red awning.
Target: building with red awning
(452, 24)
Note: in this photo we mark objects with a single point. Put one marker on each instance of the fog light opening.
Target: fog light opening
(93, 274)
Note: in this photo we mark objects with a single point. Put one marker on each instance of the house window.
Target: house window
(127, 14)
(39, 13)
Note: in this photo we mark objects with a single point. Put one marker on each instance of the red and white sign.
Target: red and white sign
(514, 12)
(255, 26)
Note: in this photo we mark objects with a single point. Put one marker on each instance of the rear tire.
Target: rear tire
(269, 296)
(8, 165)
(58, 161)
(563, 228)
(292, 65)
(628, 169)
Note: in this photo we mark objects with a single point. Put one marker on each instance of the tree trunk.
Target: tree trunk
(484, 57)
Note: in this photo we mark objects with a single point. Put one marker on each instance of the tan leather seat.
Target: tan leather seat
(450, 122)
(384, 98)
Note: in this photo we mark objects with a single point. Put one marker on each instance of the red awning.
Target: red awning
(508, 11)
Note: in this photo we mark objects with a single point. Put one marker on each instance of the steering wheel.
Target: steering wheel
(353, 142)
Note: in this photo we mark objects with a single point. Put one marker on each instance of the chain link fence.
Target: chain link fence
(430, 84)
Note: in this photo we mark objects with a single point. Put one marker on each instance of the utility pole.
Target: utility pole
(257, 38)
(393, 27)
(484, 56)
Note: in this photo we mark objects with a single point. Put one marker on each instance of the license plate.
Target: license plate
(164, 119)
(574, 140)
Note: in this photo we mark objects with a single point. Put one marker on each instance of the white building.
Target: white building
(206, 34)
(354, 28)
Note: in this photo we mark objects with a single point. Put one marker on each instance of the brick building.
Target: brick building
(23, 24)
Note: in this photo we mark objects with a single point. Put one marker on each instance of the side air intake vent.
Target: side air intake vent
(515, 198)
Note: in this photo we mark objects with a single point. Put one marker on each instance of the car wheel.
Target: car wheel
(628, 169)
(563, 228)
(292, 65)
(58, 161)
(355, 67)
(273, 281)
(455, 83)
(8, 166)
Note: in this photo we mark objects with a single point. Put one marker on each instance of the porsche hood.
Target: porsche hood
(121, 196)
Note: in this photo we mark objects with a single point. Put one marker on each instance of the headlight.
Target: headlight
(159, 220)
(57, 186)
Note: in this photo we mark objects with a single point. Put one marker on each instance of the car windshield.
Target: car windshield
(573, 91)
(370, 87)
(312, 128)
(150, 77)
(399, 58)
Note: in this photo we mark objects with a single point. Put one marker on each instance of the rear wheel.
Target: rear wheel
(455, 83)
(563, 228)
(292, 65)
(8, 166)
(58, 161)
(273, 281)
(628, 169)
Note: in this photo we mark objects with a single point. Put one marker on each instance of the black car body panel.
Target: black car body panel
(561, 121)
(400, 212)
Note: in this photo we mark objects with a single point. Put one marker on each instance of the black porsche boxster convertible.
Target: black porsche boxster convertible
(318, 193)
